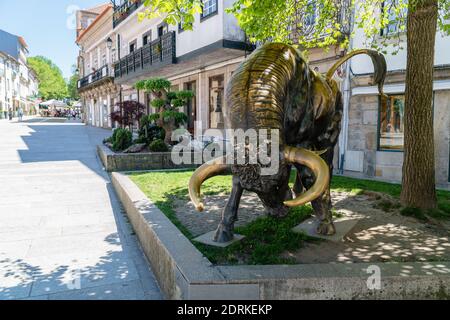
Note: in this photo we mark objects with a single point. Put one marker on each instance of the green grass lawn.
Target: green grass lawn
(266, 239)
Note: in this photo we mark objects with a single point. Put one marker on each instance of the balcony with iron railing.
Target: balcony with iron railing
(158, 53)
(124, 10)
(100, 74)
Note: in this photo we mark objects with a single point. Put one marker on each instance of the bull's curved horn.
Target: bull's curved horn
(210, 169)
(379, 63)
(318, 166)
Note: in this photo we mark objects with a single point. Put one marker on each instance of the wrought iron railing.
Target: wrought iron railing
(162, 50)
(95, 76)
(123, 11)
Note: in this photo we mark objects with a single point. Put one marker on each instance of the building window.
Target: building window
(209, 8)
(133, 46)
(181, 24)
(147, 38)
(216, 100)
(191, 107)
(391, 134)
(311, 15)
(162, 30)
(104, 59)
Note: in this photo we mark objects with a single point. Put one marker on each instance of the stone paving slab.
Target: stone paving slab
(63, 234)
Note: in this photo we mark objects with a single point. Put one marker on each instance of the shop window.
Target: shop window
(216, 100)
(391, 132)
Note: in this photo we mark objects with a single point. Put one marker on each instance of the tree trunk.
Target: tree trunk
(419, 188)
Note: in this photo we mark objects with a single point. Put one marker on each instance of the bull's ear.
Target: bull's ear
(323, 96)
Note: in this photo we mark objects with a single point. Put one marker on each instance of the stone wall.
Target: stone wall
(387, 165)
(118, 162)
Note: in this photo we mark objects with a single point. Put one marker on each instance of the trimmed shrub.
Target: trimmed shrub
(158, 146)
(123, 139)
(149, 131)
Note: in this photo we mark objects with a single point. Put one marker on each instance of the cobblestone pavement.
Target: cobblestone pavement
(63, 234)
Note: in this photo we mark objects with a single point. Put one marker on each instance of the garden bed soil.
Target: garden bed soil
(381, 235)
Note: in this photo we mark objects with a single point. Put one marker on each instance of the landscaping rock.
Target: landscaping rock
(109, 145)
(136, 148)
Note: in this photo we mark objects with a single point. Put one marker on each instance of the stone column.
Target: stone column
(92, 115)
(100, 110)
(108, 101)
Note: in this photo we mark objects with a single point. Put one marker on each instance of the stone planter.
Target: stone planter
(184, 273)
(118, 162)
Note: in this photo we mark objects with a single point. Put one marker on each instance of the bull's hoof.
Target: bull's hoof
(223, 235)
(326, 229)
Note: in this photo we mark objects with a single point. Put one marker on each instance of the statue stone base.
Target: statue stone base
(208, 240)
(343, 227)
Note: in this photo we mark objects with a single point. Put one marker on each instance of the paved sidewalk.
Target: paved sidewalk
(63, 233)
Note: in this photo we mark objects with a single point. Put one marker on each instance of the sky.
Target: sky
(48, 27)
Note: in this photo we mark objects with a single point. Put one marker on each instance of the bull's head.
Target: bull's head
(275, 89)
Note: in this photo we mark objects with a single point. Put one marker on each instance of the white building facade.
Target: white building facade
(96, 85)
(18, 83)
(201, 60)
(372, 138)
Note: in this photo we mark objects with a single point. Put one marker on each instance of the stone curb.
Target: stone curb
(184, 273)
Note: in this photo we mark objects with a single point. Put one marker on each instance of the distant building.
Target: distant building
(18, 83)
(201, 60)
(96, 86)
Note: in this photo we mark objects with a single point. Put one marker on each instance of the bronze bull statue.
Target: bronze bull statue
(276, 89)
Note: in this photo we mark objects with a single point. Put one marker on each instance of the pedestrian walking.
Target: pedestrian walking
(20, 114)
(5, 112)
(10, 114)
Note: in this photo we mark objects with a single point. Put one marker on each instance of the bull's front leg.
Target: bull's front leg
(225, 232)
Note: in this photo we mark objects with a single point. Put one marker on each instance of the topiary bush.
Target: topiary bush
(122, 140)
(167, 105)
(149, 131)
(158, 146)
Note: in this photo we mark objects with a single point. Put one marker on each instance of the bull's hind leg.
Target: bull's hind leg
(322, 210)
(322, 205)
(225, 232)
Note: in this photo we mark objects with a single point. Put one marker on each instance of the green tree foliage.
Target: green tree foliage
(173, 11)
(72, 86)
(304, 23)
(51, 82)
(326, 23)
